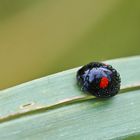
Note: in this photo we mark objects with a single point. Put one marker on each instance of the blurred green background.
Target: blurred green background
(41, 37)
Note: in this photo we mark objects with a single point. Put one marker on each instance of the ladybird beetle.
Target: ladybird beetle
(99, 79)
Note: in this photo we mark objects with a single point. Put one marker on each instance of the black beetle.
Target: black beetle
(99, 79)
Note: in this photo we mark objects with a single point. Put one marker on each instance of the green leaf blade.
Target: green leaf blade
(117, 117)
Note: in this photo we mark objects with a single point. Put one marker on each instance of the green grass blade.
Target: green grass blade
(51, 107)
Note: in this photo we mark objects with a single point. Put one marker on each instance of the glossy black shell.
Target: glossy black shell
(90, 75)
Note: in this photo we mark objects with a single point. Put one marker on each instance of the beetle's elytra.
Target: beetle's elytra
(99, 79)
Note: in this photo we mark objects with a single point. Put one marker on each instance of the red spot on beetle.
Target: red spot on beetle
(104, 82)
